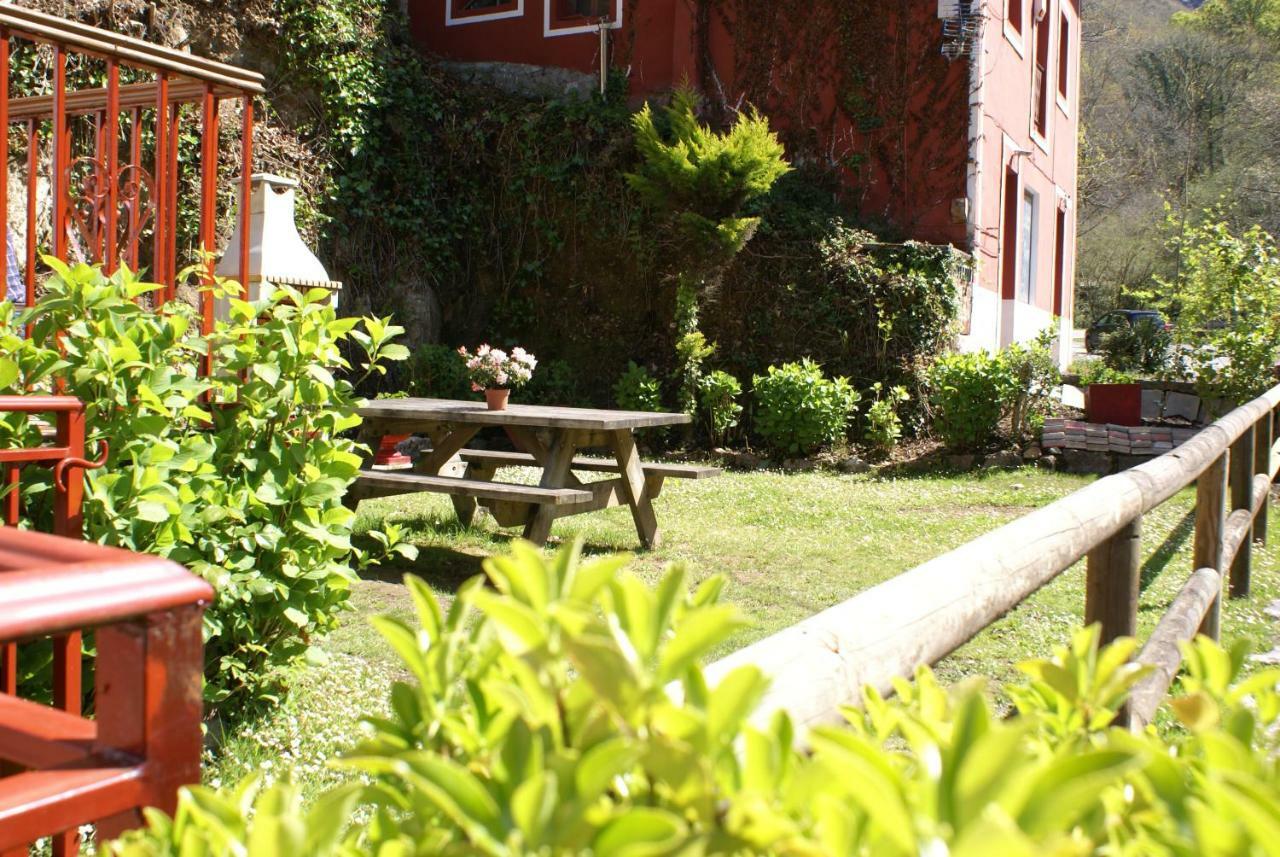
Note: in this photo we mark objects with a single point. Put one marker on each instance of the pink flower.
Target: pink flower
(476, 388)
(502, 378)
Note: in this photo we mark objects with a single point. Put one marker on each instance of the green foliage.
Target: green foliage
(1226, 301)
(699, 181)
(638, 390)
(565, 711)
(1097, 372)
(1144, 348)
(239, 477)
(968, 394)
(438, 372)
(884, 426)
(798, 409)
(1034, 377)
(719, 394)
(874, 312)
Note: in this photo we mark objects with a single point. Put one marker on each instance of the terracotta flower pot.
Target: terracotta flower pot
(387, 454)
(497, 398)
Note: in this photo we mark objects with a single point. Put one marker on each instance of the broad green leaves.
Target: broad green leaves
(541, 721)
(240, 476)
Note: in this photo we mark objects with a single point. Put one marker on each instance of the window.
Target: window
(1013, 15)
(473, 11)
(1064, 56)
(1027, 234)
(582, 11)
(1009, 236)
(569, 17)
(1040, 79)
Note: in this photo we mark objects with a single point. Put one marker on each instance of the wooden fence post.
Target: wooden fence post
(1262, 464)
(1211, 516)
(1242, 498)
(1113, 576)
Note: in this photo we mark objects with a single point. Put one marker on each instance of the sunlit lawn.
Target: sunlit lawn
(789, 544)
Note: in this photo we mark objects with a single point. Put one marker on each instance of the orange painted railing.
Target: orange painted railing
(144, 740)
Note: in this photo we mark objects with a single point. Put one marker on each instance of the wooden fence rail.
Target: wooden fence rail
(821, 664)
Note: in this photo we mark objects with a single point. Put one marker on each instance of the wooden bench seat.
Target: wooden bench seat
(386, 484)
(488, 458)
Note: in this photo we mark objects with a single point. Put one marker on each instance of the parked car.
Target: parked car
(1112, 322)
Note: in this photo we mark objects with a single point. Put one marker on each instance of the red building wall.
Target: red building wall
(933, 149)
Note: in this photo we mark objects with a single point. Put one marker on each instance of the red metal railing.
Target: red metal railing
(144, 741)
(103, 207)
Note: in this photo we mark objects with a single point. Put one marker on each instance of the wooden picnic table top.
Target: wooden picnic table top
(530, 416)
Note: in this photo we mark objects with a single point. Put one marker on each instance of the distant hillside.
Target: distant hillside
(1171, 114)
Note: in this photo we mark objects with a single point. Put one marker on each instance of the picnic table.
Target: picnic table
(545, 437)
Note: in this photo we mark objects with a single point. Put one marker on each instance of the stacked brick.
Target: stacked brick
(1122, 440)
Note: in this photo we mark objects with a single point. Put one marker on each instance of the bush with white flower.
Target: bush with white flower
(494, 369)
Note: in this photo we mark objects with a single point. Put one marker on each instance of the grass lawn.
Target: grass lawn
(790, 545)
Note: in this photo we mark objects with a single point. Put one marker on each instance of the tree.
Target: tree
(699, 181)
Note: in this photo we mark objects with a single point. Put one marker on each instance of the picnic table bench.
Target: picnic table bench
(546, 437)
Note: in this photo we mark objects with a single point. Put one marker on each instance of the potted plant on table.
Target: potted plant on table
(497, 373)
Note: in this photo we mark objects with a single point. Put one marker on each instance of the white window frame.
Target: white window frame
(1011, 34)
(1064, 101)
(480, 17)
(1042, 142)
(1028, 240)
(549, 32)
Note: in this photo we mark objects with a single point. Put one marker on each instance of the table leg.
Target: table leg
(634, 487)
(555, 474)
(446, 444)
(465, 507)
(369, 435)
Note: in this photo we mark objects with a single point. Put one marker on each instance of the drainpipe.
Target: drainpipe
(977, 86)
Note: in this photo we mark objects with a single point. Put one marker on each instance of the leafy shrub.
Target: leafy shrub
(1226, 303)
(1034, 376)
(1145, 348)
(1096, 372)
(239, 477)
(798, 409)
(638, 390)
(719, 396)
(968, 394)
(884, 426)
(538, 719)
(1238, 366)
(438, 372)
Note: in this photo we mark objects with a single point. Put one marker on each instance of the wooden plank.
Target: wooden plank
(36, 802)
(593, 465)
(1113, 577)
(380, 484)
(1262, 464)
(1241, 468)
(531, 416)
(1211, 519)
(1163, 651)
(634, 489)
(48, 737)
